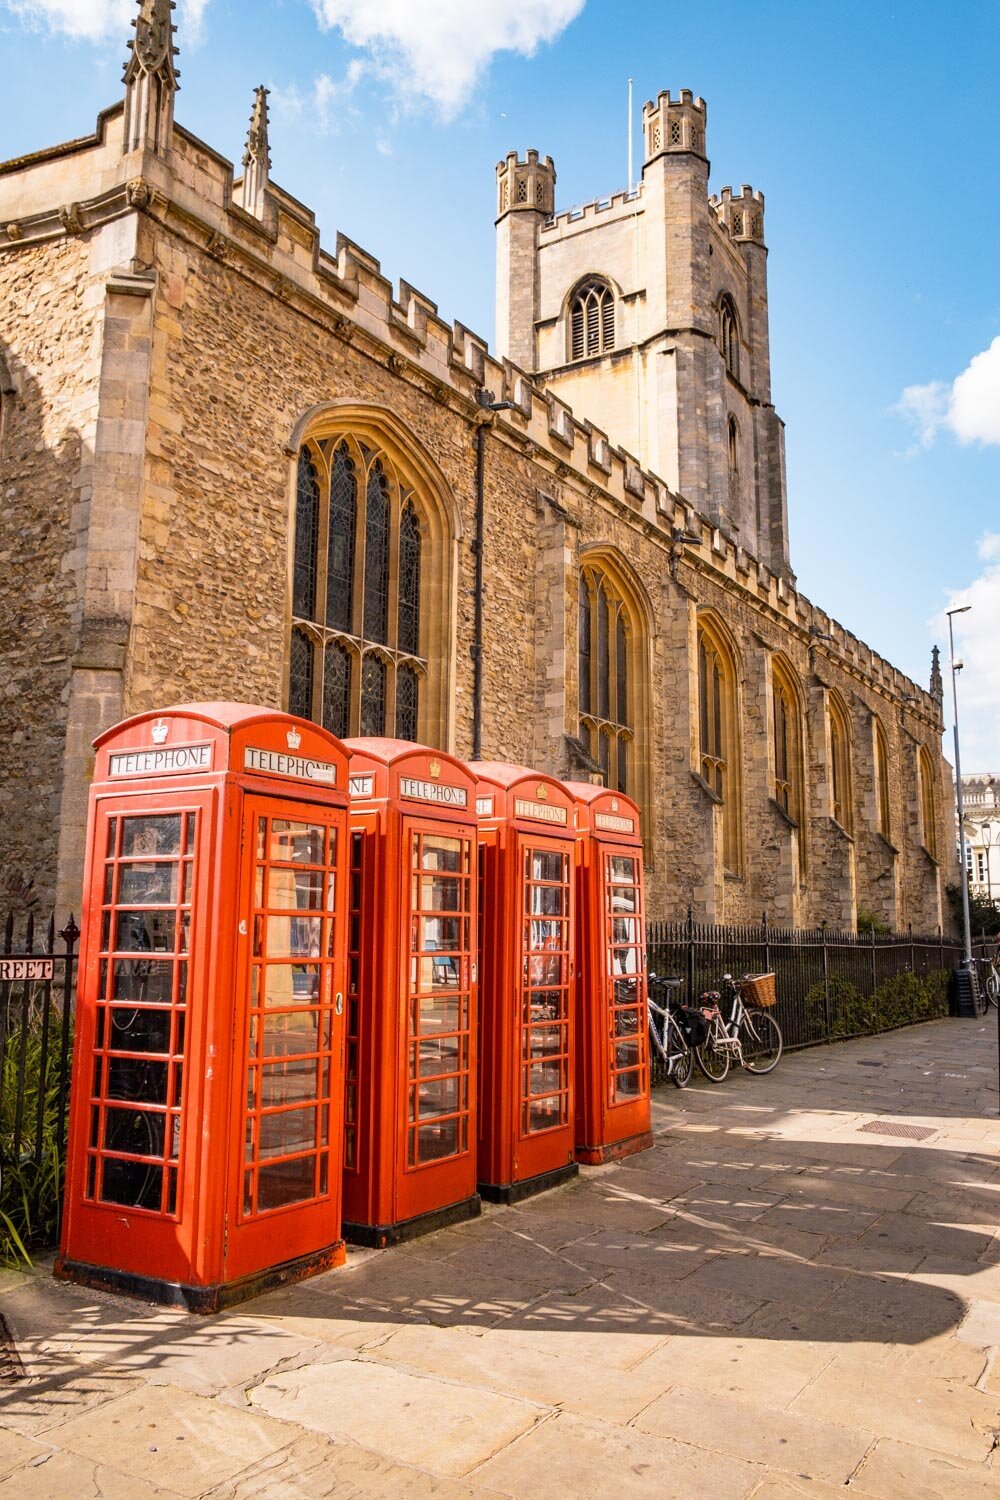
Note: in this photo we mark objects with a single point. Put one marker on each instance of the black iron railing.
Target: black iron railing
(37, 971)
(830, 984)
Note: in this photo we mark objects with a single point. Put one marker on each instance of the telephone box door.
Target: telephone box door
(144, 1041)
(288, 1106)
(438, 955)
(545, 1001)
(625, 995)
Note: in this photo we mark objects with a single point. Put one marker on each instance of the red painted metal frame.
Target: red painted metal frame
(222, 762)
(403, 795)
(521, 813)
(608, 1125)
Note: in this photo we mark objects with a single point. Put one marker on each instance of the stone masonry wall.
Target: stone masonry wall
(49, 329)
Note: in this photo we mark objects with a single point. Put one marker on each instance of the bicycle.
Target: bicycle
(751, 1037)
(666, 1034)
(989, 980)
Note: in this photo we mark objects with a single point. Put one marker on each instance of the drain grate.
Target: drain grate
(895, 1127)
(11, 1367)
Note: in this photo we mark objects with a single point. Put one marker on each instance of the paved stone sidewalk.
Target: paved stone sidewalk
(777, 1300)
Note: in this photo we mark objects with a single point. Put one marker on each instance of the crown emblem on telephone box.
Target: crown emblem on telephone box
(542, 793)
(435, 769)
(160, 731)
(293, 738)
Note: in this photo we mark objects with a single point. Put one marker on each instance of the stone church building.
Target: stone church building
(237, 464)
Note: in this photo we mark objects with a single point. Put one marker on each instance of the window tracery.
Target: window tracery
(729, 335)
(718, 738)
(882, 805)
(605, 699)
(841, 790)
(592, 319)
(787, 724)
(928, 803)
(355, 664)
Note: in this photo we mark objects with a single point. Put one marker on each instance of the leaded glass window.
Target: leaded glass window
(605, 676)
(928, 806)
(409, 582)
(407, 703)
(300, 675)
(841, 796)
(337, 673)
(882, 800)
(358, 555)
(376, 620)
(718, 739)
(373, 679)
(340, 550)
(584, 646)
(787, 743)
(306, 538)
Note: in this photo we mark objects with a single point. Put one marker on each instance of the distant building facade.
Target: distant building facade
(981, 806)
(237, 465)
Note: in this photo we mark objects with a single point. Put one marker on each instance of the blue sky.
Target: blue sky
(871, 127)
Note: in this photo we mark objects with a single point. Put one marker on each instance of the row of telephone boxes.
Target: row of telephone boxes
(336, 990)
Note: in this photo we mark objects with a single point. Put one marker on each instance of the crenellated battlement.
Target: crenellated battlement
(741, 213)
(526, 185)
(615, 205)
(674, 125)
(190, 194)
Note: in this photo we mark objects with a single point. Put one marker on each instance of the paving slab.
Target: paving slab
(441, 1425)
(773, 1438)
(569, 1456)
(187, 1443)
(67, 1476)
(941, 1415)
(769, 1303)
(901, 1471)
(315, 1468)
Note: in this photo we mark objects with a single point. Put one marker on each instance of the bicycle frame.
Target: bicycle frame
(661, 1035)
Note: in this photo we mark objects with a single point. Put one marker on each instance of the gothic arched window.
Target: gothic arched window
(355, 663)
(729, 335)
(841, 792)
(882, 805)
(787, 723)
(734, 450)
(605, 676)
(718, 738)
(592, 319)
(928, 803)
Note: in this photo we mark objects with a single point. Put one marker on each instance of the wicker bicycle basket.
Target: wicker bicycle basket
(759, 988)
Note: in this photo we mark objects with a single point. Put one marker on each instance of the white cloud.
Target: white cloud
(977, 636)
(99, 20)
(439, 49)
(323, 105)
(969, 408)
(975, 399)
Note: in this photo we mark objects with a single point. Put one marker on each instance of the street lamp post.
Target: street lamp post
(956, 667)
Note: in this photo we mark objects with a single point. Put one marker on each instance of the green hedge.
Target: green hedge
(899, 1001)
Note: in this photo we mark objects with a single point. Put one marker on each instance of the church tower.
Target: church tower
(647, 312)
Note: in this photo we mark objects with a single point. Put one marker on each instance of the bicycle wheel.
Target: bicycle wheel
(681, 1057)
(760, 1038)
(993, 987)
(713, 1060)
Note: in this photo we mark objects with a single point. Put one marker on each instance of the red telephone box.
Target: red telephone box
(410, 1133)
(206, 1124)
(526, 1042)
(612, 1076)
